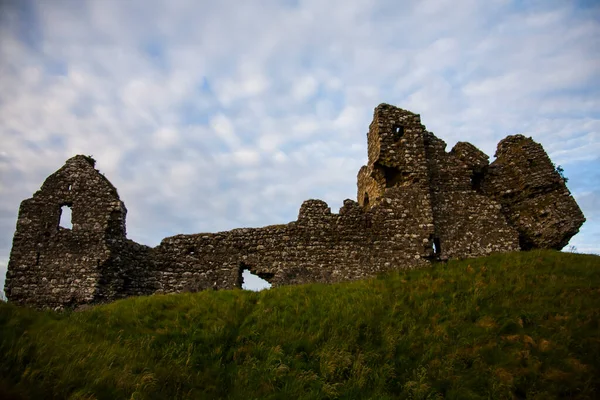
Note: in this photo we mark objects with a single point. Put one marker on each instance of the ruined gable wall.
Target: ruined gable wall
(534, 197)
(50, 265)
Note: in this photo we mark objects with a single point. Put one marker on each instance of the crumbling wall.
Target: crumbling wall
(319, 247)
(461, 221)
(467, 223)
(416, 204)
(397, 177)
(534, 197)
(396, 154)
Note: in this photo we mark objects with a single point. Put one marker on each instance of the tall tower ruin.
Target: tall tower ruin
(405, 160)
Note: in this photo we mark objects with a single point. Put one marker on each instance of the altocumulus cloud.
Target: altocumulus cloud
(214, 115)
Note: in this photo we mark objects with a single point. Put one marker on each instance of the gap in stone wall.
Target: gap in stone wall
(253, 282)
(393, 176)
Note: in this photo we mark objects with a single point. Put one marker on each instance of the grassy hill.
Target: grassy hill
(512, 326)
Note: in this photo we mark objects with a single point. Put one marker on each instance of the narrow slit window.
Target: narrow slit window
(69, 188)
(437, 248)
(65, 217)
(366, 200)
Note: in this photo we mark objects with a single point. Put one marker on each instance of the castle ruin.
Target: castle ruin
(416, 204)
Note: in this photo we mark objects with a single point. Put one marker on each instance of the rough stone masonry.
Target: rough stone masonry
(416, 204)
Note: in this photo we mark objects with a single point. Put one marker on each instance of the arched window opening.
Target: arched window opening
(65, 217)
(69, 188)
(250, 281)
(366, 200)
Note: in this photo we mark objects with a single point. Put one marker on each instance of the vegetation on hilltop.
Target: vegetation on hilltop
(512, 326)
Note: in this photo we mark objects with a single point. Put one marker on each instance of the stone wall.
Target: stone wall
(533, 195)
(50, 265)
(416, 204)
(319, 247)
(467, 223)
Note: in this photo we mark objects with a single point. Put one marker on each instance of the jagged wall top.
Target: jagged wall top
(416, 204)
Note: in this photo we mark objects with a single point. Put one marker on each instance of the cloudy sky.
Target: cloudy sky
(211, 115)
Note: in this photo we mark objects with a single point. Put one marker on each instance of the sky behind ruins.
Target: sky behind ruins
(212, 115)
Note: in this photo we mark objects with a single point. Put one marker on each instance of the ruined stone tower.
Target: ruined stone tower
(416, 204)
(407, 161)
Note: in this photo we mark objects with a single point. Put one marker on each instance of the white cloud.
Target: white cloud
(166, 137)
(246, 157)
(225, 130)
(305, 88)
(349, 118)
(270, 141)
(280, 157)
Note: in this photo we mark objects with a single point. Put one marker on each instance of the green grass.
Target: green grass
(512, 326)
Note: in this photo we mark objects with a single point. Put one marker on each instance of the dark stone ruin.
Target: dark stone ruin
(417, 204)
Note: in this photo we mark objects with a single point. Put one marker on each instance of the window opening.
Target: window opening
(69, 188)
(476, 181)
(397, 132)
(366, 200)
(393, 176)
(65, 217)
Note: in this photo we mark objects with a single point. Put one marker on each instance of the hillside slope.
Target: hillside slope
(520, 325)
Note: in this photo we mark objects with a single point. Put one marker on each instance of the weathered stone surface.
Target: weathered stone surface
(416, 204)
(534, 197)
